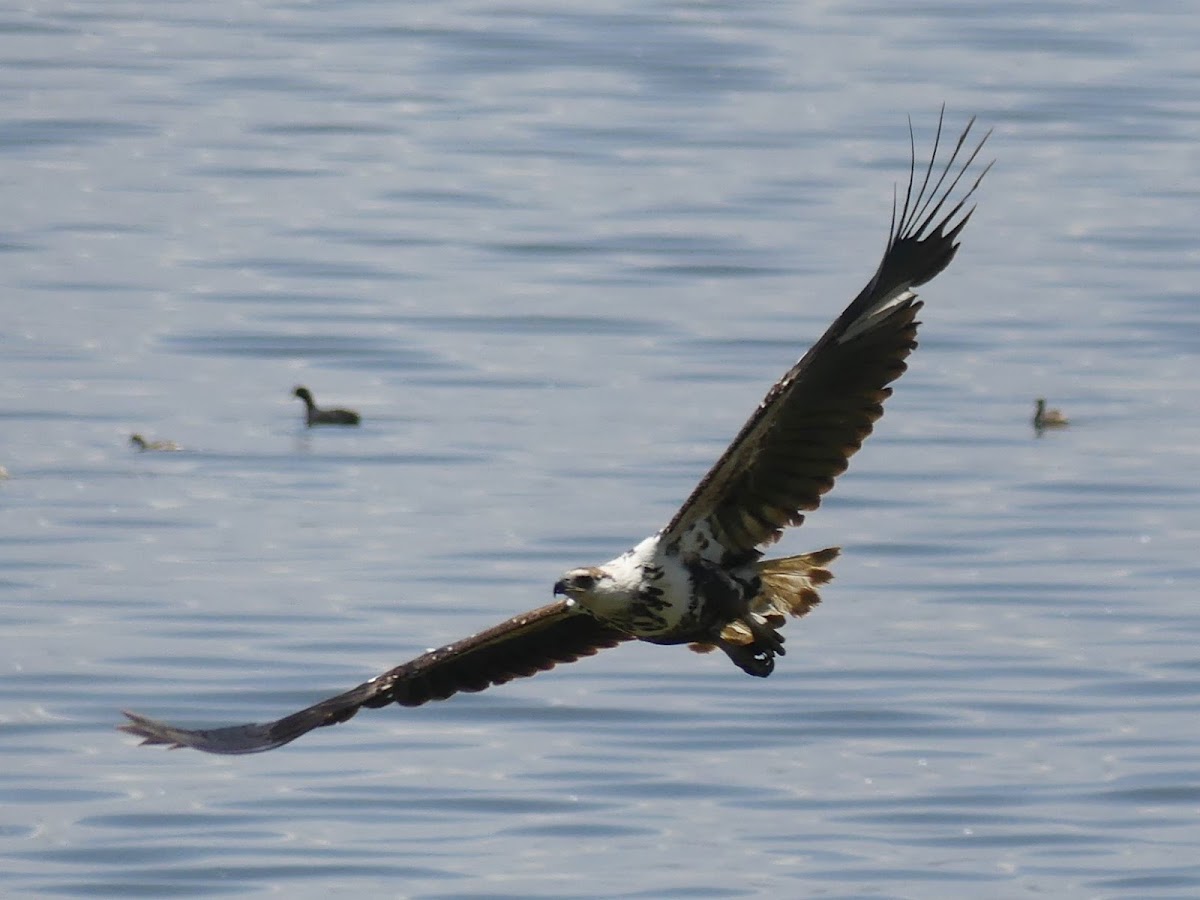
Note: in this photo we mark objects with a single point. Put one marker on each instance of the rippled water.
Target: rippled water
(555, 254)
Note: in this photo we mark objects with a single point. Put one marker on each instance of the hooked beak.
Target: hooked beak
(560, 587)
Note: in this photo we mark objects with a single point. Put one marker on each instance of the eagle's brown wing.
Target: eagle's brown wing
(524, 645)
(810, 423)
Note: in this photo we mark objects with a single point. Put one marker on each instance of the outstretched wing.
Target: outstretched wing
(803, 433)
(524, 645)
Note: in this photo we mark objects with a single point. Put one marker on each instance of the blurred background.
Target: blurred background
(555, 254)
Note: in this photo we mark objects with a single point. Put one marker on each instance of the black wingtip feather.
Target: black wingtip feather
(832, 396)
(923, 238)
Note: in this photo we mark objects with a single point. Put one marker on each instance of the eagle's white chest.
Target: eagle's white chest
(648, 592)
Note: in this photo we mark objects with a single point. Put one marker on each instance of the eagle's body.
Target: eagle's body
(702, 579)
(688, 592)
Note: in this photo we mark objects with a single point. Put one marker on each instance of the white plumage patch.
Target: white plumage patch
(645, 590)
(700, 541)
(876, 314)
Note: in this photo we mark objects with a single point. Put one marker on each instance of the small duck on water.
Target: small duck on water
(1047, 418)
(316, 416)
(161, 446)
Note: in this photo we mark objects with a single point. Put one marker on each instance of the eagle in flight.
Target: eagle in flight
(702, 579)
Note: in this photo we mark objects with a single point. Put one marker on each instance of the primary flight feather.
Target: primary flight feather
(702, 580)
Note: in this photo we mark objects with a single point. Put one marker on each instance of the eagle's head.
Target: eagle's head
(580, 584)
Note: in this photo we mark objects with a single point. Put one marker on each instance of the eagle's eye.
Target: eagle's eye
(585, 582)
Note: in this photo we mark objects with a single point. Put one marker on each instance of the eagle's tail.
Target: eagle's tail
(789, 587)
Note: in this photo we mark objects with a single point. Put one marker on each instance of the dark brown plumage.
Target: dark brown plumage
(701, 580)
(524, 645)
(816, 417)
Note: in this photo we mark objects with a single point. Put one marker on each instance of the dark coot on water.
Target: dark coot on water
(313, 415)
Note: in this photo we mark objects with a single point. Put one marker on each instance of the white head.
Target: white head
(607, 590)
(581, 584)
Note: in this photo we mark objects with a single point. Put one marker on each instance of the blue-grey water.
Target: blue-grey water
(555, 254)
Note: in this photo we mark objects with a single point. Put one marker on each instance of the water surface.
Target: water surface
(555, 256)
